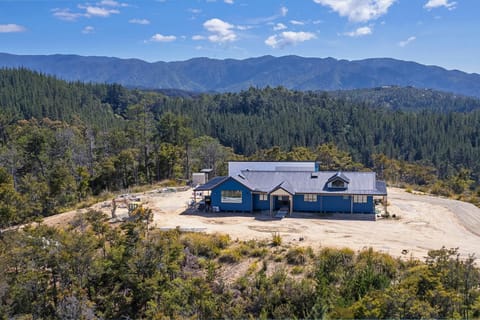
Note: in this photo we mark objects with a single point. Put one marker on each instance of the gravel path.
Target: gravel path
(467, 214)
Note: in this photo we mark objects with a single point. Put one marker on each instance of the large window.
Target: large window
(310, 197)
(231, 196)
(360, 199)
(263, 197)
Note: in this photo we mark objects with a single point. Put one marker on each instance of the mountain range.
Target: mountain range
(230, 75)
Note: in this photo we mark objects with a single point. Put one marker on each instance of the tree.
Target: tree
(12, 204)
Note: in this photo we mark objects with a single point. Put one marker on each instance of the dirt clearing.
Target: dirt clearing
(424, 223)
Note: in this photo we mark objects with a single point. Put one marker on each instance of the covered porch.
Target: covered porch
(281, 198)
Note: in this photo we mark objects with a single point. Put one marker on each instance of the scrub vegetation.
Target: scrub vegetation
(91, 270)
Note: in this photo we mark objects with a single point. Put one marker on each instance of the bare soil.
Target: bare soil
(423, 223)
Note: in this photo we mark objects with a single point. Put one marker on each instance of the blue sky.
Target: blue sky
(433, 32)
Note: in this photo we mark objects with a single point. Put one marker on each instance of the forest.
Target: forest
(64, 145)
(93, 270)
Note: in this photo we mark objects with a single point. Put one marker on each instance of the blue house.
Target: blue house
(302, 188)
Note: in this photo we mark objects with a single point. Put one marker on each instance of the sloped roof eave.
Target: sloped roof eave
(213, 183)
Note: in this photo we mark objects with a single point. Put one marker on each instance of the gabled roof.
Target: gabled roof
(301, 182)
(211, 184)
(215, 182)
(285, 186)
(339, 176)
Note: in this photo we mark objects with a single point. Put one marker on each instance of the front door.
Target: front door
(282, 202)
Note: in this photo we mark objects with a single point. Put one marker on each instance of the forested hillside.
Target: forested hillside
(61, 142)
(230, 75)
(409, 99)
(65, 144)
(25, 94)
(261, 118)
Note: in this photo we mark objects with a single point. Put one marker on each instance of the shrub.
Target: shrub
(252, 268)
(205, 245)
(297, 270)
(276, 239)
(258, 252)
(278, 258)
(297, 256)
(229, 256)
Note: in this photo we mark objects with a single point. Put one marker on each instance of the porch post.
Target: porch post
(385, 203)
(271, 204)
(291, 204)
(351, 204)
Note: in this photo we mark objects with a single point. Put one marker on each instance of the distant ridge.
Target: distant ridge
(230, 75)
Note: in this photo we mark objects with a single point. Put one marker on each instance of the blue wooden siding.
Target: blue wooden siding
(300, 205)
(367, 207)
(260, 204)
(251, 202)
(336, 204)
(231, 184)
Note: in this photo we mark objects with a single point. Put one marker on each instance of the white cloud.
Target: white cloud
(221, 30)
(279, 26)
(161, 38)
(242, 28)
(440, 3)
(99, 11)
(195, 11)
(359, 32)
(88, 29)
(11, 27)
(66, 14)
(111, 3)
(103, 9)
(287, 38)
(198, 37)
(358, 10)
(262, 20)
(297, 23)
(406, 42)
(139, 21)
(228, 1)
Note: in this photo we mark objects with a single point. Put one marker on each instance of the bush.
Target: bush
(297, 270)
(276, 239)
(258, 252)
(297, 256)
(205, 245)
(229, 256)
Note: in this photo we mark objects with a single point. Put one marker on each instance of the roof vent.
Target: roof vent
(242, 176)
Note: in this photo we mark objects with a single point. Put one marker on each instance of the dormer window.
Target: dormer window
(338, 181)
(338, 184)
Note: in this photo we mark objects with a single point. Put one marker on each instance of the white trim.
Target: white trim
(280, 192)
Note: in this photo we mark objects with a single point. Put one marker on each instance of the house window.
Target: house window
(360, 199)
(263, 197)
(310, 197)
(231, 196)
(338, 184)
